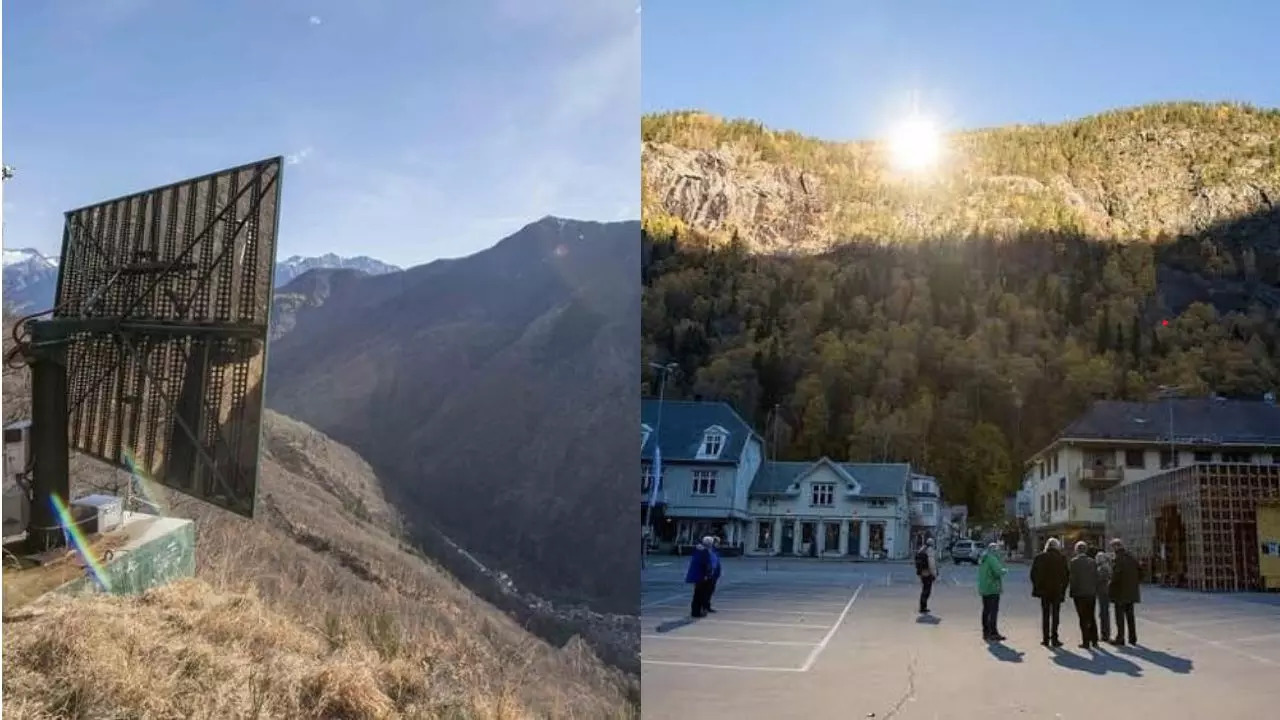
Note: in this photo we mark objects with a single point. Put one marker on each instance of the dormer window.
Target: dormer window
(712, 443)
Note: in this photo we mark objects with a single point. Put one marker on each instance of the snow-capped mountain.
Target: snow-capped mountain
(31, 278)
(287, 270)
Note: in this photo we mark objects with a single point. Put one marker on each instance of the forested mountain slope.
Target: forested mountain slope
(965, 347)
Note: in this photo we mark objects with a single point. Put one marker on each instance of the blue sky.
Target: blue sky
(842, 70)
(415, 130)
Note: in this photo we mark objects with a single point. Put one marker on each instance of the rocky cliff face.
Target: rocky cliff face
(1148, 173)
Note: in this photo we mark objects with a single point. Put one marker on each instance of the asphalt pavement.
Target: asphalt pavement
(830, 639)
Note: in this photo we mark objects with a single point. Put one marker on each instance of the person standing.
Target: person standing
(1083, 578)
(1126, 578)
(990, 586)
(714, 557)
(1103, 560)
(1049, 580)
(699, 575)
(927, 570)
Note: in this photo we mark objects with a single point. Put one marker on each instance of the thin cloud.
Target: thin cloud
(295, 158)
(314, 20)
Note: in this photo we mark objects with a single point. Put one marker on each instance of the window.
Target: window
(704, 482)
(927, 509)
(824, 494)
(1136, 459)
(1275, 458)
(1237, 457)
(764, 535)
(1204, 457)
(1097, 499)
(712, 443)
(878, 504)
(1168, 459)
(1041, 466)
(1055, 465)
(1044, 504)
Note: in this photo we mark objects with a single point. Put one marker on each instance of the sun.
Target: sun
(915, 144)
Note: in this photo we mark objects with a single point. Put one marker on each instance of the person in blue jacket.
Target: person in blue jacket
(699, 574)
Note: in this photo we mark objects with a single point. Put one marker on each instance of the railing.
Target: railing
(1099, 477)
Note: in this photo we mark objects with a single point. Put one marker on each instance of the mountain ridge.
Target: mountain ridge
(1153, 172)
(450, 393)
(31, 277)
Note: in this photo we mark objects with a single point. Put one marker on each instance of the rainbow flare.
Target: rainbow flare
(77, 540)
(146, 487)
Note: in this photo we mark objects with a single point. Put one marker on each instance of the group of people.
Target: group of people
(703, 573)
(1094, 580)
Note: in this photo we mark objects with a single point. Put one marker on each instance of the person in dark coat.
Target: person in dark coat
(699, 574)
(1083, 580)
(714, 557)
(1126, 578)
(1049, 581)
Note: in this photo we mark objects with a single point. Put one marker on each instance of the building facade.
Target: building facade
(709, 457)
(830, 509)
(1117, 443)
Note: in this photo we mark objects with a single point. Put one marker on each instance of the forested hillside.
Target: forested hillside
(961, 320)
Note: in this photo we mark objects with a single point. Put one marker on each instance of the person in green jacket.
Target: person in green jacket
(991, 574)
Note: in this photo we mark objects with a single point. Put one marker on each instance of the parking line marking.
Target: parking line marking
(663, 601)
(769, 624)
(822, 644)
(1214, 621)
(720, 667)
(1215, 643)
(700, 638)
(1256, 638)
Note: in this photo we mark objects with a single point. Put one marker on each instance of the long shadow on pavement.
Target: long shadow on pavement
(1172, 663)
(928, 620)
(1004, 653)
(670, 625)
(1096, 663)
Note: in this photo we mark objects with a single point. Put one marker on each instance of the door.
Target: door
(809, 538)
(855, 538)
(788, 537)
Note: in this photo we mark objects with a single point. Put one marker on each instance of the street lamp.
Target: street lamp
(663, 371)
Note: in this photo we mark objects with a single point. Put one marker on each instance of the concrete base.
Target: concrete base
(153, 551)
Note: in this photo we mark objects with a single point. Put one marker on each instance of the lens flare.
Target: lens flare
(145, 486)
(77, 540)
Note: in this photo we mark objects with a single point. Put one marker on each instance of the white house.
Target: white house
(1117, 443)
(709, 457)
(830, 509)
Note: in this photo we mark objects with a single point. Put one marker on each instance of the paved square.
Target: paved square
(818, 639)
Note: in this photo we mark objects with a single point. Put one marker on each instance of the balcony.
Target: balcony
(1099, 477)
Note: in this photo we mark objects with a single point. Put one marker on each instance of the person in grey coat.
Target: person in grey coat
(1084, 592)
(1103, 560)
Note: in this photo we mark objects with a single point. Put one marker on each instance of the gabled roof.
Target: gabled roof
(1208, 421)
(878, 480)
(685, 422)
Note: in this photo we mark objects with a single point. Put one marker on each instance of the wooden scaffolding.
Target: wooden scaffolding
(1195, 527)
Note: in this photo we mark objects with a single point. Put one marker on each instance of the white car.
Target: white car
(966, 551)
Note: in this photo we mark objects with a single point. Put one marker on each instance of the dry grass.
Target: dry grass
(312, 610)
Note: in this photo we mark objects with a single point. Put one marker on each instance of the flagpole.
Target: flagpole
(657, 462)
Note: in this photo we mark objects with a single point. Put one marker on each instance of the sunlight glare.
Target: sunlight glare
(915, 144)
